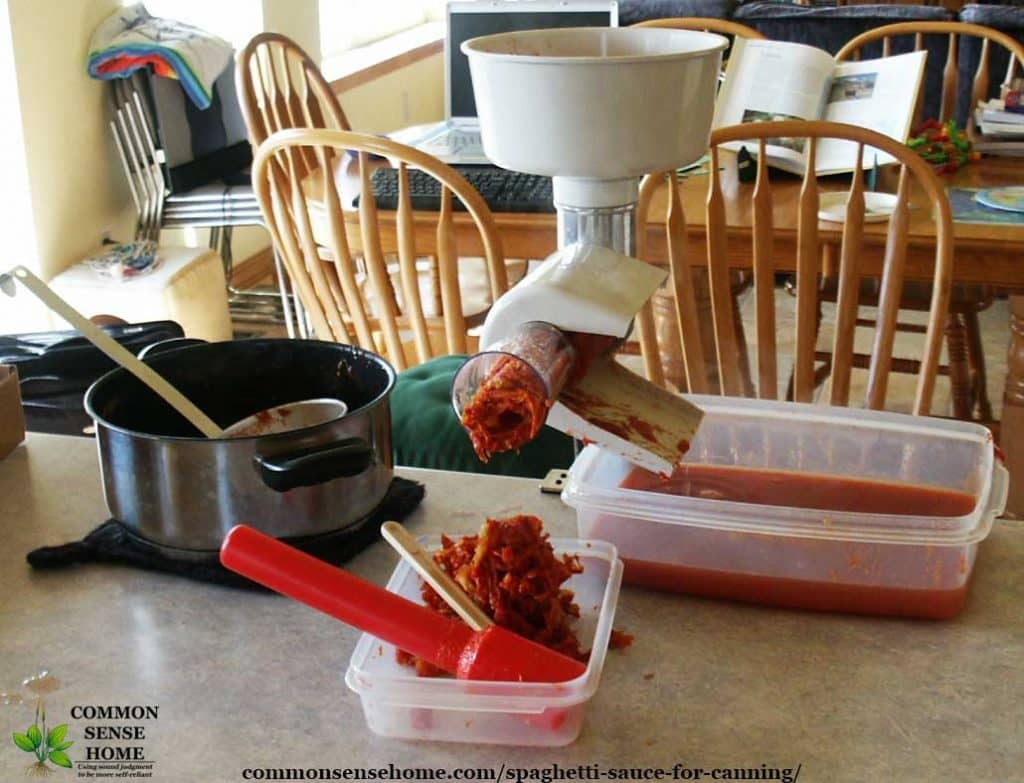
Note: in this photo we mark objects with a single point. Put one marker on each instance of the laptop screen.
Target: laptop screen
(465, 22)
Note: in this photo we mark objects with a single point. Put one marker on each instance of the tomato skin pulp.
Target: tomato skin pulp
(818, 574)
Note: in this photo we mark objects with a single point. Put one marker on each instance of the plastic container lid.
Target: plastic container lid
(820, 440)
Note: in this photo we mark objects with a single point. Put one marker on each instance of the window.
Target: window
(235, 22)
(347, 24)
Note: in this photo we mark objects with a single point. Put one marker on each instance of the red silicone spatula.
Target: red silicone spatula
(491, 654)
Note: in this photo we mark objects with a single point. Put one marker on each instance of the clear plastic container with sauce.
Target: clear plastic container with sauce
(803, 506)
(397, 703)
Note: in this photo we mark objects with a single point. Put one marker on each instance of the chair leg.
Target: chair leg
(820, 374)
(220, 240)
(705, 317)
(286, 298)
(225, 245)
(741, 344)
(670, 346)
(976, 356)
(959, 371)
(215, 244)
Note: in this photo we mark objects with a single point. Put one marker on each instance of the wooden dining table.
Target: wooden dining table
(990, 254)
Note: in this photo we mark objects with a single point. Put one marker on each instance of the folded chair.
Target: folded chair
(189, 169)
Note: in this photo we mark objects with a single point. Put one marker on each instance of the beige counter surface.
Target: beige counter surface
(247, 680)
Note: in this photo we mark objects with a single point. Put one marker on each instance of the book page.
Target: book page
(774, 80)
(875, 94)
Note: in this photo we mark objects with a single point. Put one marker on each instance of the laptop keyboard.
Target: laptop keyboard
(503, 190)
(453, 142)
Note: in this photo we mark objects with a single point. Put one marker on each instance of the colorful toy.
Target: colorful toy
(944, 145)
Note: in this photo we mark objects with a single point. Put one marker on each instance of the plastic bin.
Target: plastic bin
(867, 563)
(397, 703)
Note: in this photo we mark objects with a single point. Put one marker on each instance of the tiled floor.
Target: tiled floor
(995, 336)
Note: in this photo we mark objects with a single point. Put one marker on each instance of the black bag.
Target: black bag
(200, 146)
(56, 368)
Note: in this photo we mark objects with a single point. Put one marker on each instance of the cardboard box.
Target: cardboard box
(12, 417)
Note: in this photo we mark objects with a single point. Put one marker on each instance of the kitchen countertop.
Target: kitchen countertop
(248, 680)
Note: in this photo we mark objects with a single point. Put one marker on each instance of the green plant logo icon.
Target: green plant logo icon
(46, 745)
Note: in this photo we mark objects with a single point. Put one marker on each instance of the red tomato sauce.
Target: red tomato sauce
(805, 573)
(803, 490)
(822, 596)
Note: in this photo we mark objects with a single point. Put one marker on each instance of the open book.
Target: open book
(778, 80)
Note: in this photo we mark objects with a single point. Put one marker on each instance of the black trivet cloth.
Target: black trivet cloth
(112, 542)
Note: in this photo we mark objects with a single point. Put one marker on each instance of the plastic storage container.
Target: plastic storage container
(885, 564)
(397, 703)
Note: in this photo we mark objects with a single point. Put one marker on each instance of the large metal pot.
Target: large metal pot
(176, 488)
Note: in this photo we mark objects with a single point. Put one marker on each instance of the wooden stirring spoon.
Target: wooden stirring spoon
(421, 561)
(280, 418)
(115, 351)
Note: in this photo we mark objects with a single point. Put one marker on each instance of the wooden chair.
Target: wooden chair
(664, 308)
(280, 87)
(704, 24)
(963, 332)
(352, 297)
(954, 32)
(808, 264)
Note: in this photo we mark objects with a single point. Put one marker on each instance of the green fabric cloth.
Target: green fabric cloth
(426, 433)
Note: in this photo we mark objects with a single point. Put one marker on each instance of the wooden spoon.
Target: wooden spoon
(280, 418)
(410, 550)
(117, 352)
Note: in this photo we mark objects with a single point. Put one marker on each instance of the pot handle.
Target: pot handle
(316, 465)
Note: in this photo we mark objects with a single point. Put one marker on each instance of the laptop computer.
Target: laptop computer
(456, 140)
